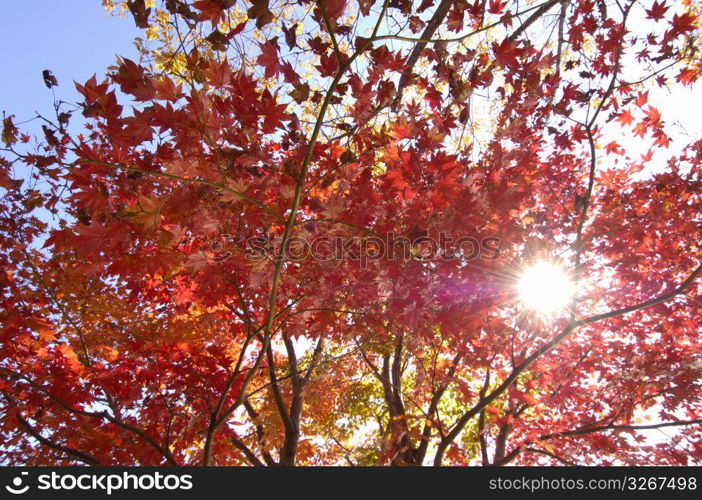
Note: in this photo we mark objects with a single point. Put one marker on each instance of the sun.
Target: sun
(545, 288)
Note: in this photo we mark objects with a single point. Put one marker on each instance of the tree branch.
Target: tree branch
(78, 455)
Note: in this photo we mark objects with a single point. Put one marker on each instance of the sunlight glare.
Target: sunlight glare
(545, 288)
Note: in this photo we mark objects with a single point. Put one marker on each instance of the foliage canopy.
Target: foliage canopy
(162, 302)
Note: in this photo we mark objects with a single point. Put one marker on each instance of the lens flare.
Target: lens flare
(545, 288)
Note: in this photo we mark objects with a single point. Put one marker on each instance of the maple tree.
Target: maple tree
(156, 309)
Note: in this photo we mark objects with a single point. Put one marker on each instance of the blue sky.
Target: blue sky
(72, 38)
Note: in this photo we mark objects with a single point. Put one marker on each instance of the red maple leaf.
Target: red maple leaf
(496, 7)
(334, 8)
(657, 10)
(682, 24)
(642, 99)
(269, 58)
(328, 65)
(614, 147)
(653, 116)
(625, 117)
(688, 76)
(507, 52)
